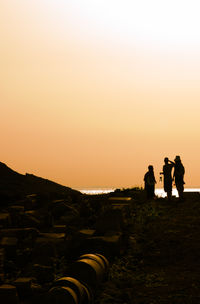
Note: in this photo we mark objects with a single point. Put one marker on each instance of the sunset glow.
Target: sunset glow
(92, 92)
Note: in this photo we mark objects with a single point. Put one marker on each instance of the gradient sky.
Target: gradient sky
(93, 91)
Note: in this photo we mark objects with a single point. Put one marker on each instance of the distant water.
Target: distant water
(97, 191)
(159, 191)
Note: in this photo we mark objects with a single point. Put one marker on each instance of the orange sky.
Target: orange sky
(92, 92)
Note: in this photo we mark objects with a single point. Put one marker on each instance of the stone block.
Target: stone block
(77, 240)
(23, 286)
(86, 233)
(61, 207)
(48, 246)
(52, 236)
(2, 261)
(2, 257)
(29, 220)
(16, 209)
(109, 246)
(38, 294)
(16, 214)
(31, 202)
(8, 294)
(44, 251)
(2, 277)
(43, 273)
(59, 228)
(58, 242)
(20, 233)
(5, 219)
(111, 220)
(10, 246)
(120, 199)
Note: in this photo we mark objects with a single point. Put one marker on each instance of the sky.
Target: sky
(94, 91)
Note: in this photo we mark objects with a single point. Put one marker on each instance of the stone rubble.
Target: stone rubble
(39, 243)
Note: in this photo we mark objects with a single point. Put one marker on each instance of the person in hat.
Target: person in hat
(167, 173)
(178, 175)
(149, 182)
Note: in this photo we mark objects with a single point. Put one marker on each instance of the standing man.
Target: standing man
(179, 172)
(149, 183)
(167, 173)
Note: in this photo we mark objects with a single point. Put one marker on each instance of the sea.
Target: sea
(158, 191)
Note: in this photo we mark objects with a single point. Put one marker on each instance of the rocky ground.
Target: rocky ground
(162, 261)
(153, 247)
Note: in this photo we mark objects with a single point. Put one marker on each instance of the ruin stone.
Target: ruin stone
(23, 286)
(20, 233)
(10, 246)
(109, 246)
(43, 273)
(59, 228)
(5, 219)
(43, 251)
(8, 294)
(110, 220)
(16, 214)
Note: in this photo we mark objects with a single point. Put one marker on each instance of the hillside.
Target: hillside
(14, 184)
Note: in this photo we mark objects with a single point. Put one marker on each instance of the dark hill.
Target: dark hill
(14, 184)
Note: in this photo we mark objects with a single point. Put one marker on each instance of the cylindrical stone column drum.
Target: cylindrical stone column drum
(87, 271)
(104, 259)
(62, 295)
(88, 297)
(98, 258)
(103, 262)
(72, 283)
(84, 293)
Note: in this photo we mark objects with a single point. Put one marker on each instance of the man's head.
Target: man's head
(177, 159)
(150, 168)
(166, 160)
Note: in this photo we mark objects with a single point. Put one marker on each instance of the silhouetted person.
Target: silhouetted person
(167, 173)
(149, 182)
(179, 172)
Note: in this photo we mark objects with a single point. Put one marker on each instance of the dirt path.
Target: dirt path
(162, 264)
